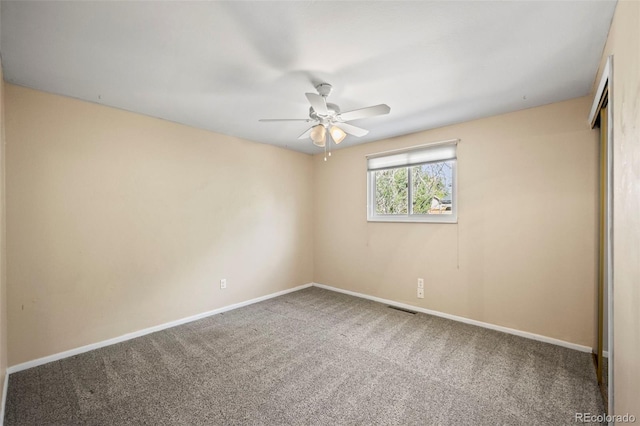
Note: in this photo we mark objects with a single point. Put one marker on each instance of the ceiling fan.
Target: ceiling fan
(328, 117)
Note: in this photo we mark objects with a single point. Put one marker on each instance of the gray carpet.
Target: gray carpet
(311, 357)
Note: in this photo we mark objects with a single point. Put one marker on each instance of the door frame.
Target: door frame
(605, 92)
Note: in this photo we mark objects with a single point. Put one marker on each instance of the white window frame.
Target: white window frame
(410, 217)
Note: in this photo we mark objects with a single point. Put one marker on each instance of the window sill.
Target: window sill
(415, 219)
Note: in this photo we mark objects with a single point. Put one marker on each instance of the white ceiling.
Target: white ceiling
(223, 65)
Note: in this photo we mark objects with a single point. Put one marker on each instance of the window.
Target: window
(416, 185)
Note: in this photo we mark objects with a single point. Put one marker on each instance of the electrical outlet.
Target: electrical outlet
(420, 283)
(223, 283)
(420, 293)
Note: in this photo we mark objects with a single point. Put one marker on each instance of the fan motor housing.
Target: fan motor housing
(332, 108)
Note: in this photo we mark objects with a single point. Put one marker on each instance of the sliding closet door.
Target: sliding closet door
(603, 241)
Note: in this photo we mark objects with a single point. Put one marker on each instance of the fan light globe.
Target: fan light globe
(318, 135)
(337, 134)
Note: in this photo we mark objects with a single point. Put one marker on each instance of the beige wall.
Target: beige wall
(624, 44)
(523, 253)
(117, 221)
(3, 280)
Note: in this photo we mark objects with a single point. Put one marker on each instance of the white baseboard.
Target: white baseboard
(515, 332)
(5, 387)
(129, 336)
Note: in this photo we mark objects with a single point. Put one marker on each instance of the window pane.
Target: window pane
(431, 187)
(392, 191)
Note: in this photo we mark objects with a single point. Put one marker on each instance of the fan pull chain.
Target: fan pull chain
(325, 151)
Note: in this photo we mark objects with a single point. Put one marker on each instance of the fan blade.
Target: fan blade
(286, 119)
(306, 133)
(318, 103)
(364, 112)
(351, 129)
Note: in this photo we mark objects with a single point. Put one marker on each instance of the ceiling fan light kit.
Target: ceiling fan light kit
(327, 116)
(318, 135)
(337, 134)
